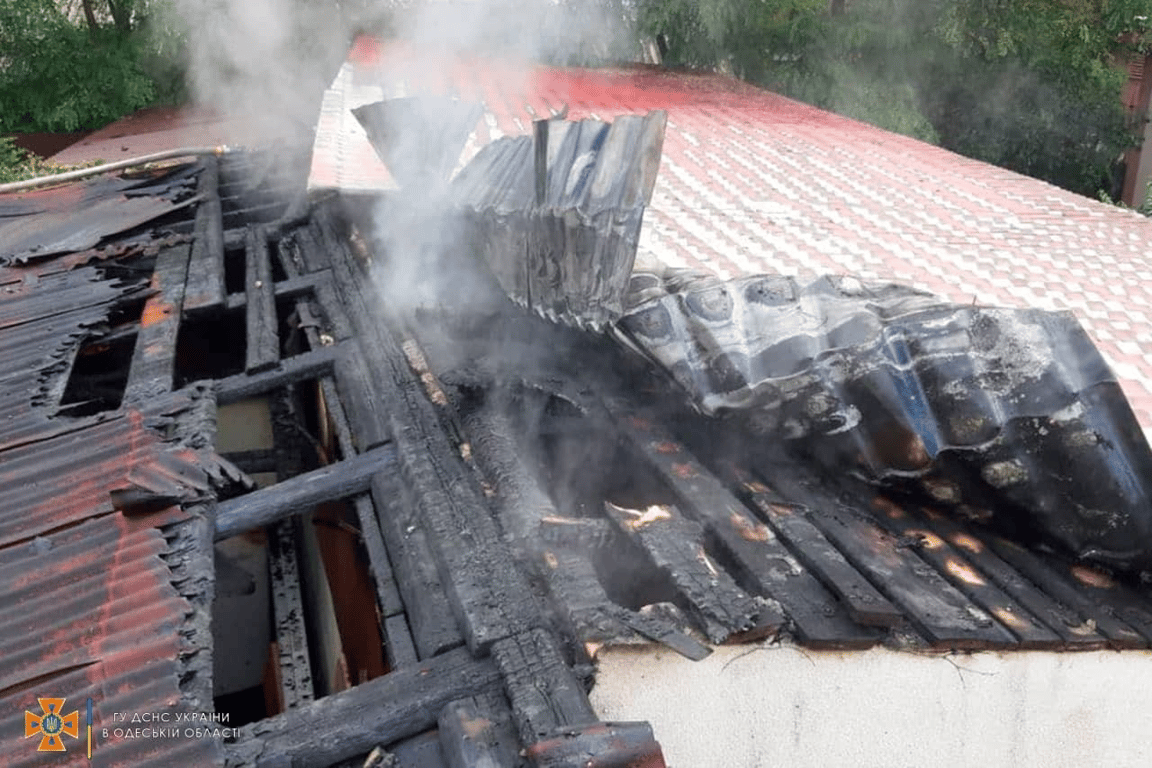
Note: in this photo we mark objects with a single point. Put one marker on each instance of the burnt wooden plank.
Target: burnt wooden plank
(153, 360)
(432, 622)
(364, 408)
(1114, 597)
(1068, 625)
(386, 709)
(675, 546)
(488, 593)
(206, 271)
(387, 593)
(337, 321)
(292, 370)
(314, 246)
(1047, 578)
(580, 597)
(477, 732)
(964, 573)
(293, 287)
(945, 615)
(399, 648)
(292, 660)
(298, 494)
(865, 604)
(762, 563)
(261, 324)
(543, 691)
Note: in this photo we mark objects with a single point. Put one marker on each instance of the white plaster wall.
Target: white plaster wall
(779, 705)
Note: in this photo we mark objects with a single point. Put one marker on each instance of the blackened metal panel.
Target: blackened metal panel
(976, 409)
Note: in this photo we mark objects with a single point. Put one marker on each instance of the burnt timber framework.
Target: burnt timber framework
(511, 521)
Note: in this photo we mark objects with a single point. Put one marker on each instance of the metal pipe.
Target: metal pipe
(80, 173)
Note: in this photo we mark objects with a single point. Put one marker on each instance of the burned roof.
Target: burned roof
(514, 494)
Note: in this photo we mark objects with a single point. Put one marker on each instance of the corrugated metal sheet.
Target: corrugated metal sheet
(89, 605)
(76, 217)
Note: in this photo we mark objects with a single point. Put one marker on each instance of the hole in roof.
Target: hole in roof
(234, 269)
(98, 376)
(210, 347)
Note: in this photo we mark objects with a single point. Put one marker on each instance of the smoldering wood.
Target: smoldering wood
(430, 617)
(298, 494)
(291, 370)
(542, 689)
(381, 711)
(356, 392)
(261, 323)
(154, 358)
(675, 546)
(1067, 624)
(941, 612)
(962, 571)
(477, 732)
(488, 594)
(205, 287)
(865, 604)
(288, 617)
(1119, 634)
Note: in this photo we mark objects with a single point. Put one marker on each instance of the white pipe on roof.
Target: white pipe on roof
(132, 162)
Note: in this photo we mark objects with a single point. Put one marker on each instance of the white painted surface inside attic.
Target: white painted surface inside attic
(755, 706)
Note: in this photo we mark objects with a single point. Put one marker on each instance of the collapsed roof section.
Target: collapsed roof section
(1006, 416)
(508, 497)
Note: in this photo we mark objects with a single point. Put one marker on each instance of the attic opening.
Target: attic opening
(210, 347)
(296, 619)
(99, 376)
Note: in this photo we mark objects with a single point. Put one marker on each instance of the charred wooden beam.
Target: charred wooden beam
(433, 625)
(293, 287)
(338, 727)
(153, 360)
(261, 324)
(675, 546)
(477, 732)
(941, 612)
(206, 270)
(356, 392)
(291, 370)
(387, 593)
(1118, 632)
(293, 664)
(489, 595)
(1073, 629)
(399, 647)
(601, 745)
(762, 563)
(865, 604)
(962, 571)
(300, 493)
(544, 693)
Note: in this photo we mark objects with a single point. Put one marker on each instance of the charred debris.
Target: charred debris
(390, 525)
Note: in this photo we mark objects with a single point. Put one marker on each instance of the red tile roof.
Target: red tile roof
(751, 182)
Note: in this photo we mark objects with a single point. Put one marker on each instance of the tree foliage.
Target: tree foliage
(1032, 85)
(67, 66)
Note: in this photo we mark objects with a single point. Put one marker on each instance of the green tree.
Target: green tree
(65, 67)
(1032, 85)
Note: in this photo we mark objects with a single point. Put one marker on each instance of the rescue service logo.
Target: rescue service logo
(51, 725)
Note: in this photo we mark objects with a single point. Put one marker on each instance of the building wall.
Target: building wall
(780, 705)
